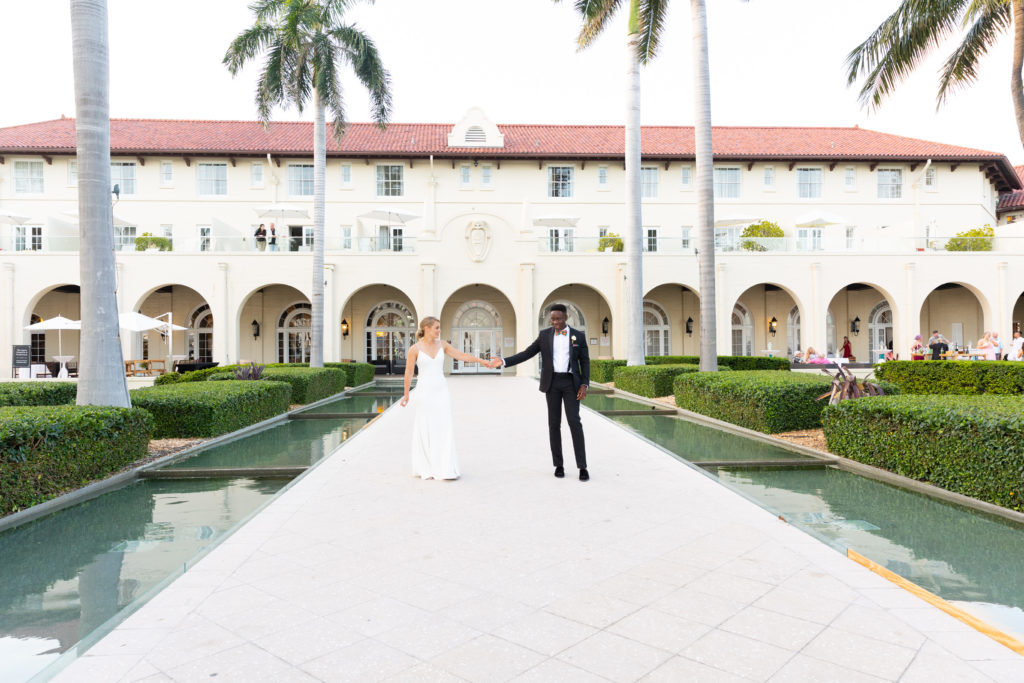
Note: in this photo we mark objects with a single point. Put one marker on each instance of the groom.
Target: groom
(564, 377)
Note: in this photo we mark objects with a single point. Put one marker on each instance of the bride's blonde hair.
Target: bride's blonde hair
(424, 324)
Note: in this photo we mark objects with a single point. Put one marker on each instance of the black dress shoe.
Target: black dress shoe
(559, 472)
(584, 476)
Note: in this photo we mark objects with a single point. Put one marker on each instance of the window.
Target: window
(72, 172)
(28, 238)
(850, 182)
(346, 237)
(560, 239)
(851, 236)
(727, 239)
(205, 235)
(686, 177)
(465, 176)
(300, 180)
(389, 180)
(769, 177)
(808, 239)
(727, 183)
(28, 177)
(167, 231)
(122, 174)
(346, 176)
(212, 178)
(890, 183)
(560, 181)
(808, 183)
(38, 344)
(686, 236)
(485, 176)
(929, 178)
(649, 181)
(397, 238)
(650, 239)
(656, 330)
(602, 231)
(166, 173)
(602, 177)
(124, 238)
(256, 174)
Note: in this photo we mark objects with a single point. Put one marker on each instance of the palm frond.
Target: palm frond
(990, 18)
(651, 19)
(369, 69)
(270, 87)
(596, 15)
(247, 45)
(899, 44)
(268, 10)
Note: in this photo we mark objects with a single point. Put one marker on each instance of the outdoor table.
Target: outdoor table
(133, 368)
(63, 360)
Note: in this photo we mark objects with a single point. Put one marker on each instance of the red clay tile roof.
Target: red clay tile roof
(224, 138)
(1013, 201)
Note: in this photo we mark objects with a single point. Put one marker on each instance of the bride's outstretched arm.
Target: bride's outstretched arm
(410, 366)
(464, 357)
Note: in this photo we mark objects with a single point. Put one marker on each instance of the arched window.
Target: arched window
(574, 316)
(199, 335)
(476, 330)
(294, 333)
(742, 331)
(657, 339)
(880, 330)
(793, 345)
(390, 331)
(38, 348)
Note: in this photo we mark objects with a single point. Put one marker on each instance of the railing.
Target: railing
(824, 244)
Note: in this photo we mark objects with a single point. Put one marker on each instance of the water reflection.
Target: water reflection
(64, 575)
(357, 404)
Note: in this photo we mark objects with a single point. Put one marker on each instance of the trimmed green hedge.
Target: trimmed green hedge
(308, 384)
(766, 400)
(37, 393)
(355, 373)
(603, 370)
(210, 408)
(732, 362)
(358, 373)
(954, 377)
(650, 380)
(972, 445)
(46, 450)
(167, 378)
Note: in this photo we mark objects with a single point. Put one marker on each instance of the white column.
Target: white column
(10, 332)
(618, 332)
(1003, 306)
(332, 321)
(225, 335)
(427, 303)
(725, 304)
(905, 322)
(815, 330)
(526, 315)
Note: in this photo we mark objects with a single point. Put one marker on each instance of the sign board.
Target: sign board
(22, 356)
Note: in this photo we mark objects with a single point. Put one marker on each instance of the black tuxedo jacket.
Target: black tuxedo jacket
(579, 357)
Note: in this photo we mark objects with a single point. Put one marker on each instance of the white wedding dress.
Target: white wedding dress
(433, 437)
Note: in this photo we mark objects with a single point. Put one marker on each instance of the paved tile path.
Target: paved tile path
(649, 571)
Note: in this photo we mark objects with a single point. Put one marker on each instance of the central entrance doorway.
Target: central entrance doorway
(390, 331)
(476, 330)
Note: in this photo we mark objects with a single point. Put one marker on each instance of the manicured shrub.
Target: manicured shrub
(204, 374)
(732, 362)
(766, 400)
(167, 378)
(308, 384)
(972, 445)
(46, 450)
(189, 409)
(954, 377)
(358, 373)
(37, 393)
(603, 370)
(650, 380)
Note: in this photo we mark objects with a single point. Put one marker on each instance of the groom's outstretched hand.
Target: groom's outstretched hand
(582, 393)
(494, 363)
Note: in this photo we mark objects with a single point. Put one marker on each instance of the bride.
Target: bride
(433, 442)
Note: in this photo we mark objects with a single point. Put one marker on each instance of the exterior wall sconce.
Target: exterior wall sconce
(604, 326)
(344, 328)
(255, 330)
(689, 327)
(855, 326)
(773, 326)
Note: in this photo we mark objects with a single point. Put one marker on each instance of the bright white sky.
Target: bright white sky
(773, 62)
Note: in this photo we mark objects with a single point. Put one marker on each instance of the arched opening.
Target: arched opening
(199, 335)
(742, 331)
(794, 345)
(657, 331)
(294, 333)
(390, 331)
(862, 314)
(46, 346)
(265, 334)
(574, 317)
(357, 320)
(587, 311)
(761, 321)
(478, 319)
(176, 304)
(680, 306)
(957, 312)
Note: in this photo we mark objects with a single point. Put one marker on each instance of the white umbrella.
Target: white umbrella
(817, 219)
(727, 221)
(389, 215)
(56, 323)
(136, 322)
(556, 221)
(281, 211)
(12, 217)
(72, 217)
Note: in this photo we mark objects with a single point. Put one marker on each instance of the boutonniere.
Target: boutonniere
(574, 337)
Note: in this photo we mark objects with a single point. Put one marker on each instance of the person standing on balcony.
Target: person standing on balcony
(261, 237)
(273, 238)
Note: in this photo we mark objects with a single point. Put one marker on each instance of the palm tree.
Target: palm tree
(304, 42)
(101, 380)
(646, 21)
(906, 36)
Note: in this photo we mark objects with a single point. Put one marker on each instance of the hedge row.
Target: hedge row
(650, 380)
(193, 409)
(46, 450)
(972, 445)
(309, 384)
(355, 373)
(954, 377)
(765, 400)
(603, 370)
(37, 393)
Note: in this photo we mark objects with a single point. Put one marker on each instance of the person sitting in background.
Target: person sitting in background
(812, 356)
(917, 348)
(938, 344)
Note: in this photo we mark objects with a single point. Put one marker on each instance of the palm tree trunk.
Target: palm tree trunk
(316, 352)
(101, 376)
(705, 188)
(1016, 83)
(634, 289)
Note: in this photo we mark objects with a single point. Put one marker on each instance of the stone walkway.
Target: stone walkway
(649, 571)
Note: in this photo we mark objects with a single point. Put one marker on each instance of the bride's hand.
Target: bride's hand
(405, 401)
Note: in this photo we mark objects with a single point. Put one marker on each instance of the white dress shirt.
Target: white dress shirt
(560, 351)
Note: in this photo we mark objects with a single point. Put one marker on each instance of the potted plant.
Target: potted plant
(760, 229)
(147, 242)
(610, 242)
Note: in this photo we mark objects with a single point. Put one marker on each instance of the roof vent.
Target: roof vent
(475, 130)
(475, 135)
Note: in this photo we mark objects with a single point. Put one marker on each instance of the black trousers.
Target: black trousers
(562, 392)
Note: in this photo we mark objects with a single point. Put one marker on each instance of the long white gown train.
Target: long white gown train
(433, 435)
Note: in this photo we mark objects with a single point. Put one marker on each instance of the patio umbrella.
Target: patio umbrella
(817, 219)
(727, 221)
(12, 217)
(136, 322)
(56, 323)
(556, 221)
(389, 215)
(72, 217)
(281, 211)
